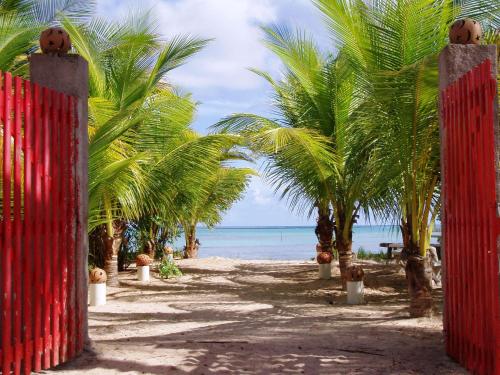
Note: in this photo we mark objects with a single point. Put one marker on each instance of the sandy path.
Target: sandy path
(260, 317)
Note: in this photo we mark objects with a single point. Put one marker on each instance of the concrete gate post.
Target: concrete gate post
(69, 74)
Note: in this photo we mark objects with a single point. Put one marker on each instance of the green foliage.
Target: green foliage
(178, 254)
(391, 48)
(362, 254)
(316, 152)
(145, 163)
(134, 119)
(168, 269)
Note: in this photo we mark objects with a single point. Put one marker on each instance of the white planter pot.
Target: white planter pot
(97, 294)
(143, 273)
(325, 271)
(355, 292)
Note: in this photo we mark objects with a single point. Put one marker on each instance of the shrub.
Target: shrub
(362, 254)
(168, 269)
(178, 254)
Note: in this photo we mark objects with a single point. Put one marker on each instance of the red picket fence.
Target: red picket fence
(40, 324)
(470, 223)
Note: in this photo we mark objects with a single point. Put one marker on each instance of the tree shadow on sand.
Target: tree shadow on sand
(262, 319)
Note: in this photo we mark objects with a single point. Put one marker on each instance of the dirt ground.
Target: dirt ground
(260, 317)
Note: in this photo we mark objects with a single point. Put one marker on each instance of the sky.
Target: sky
(219, 79)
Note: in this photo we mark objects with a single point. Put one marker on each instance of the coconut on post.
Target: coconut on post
(324, 259)
(142, 262)
(97, 291)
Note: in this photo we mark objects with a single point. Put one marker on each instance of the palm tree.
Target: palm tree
(196, 182)
(315, 100)
(392, 47)
(132, 112)
(219, 191)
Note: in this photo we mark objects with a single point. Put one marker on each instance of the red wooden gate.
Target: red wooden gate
(40, 325)
(470, 224)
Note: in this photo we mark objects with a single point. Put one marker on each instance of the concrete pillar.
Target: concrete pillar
(69, 74)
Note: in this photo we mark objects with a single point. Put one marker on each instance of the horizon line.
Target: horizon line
(284, 226)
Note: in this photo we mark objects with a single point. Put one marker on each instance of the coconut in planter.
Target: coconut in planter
(143, 261)
(169, 253)
(355, 285)
(97, 288)
(325, 265)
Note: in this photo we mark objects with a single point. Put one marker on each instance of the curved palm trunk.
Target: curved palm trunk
(112, 246)
(191, 245)
(110, 260)
(418, 272)
(150, 248)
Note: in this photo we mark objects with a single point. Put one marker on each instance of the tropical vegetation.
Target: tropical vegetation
(325, 165)
(149, 172)
(372, 107)
(145, 162)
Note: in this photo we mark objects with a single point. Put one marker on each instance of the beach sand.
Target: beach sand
(228, 316)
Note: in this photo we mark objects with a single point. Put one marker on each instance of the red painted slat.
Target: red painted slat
(56, 244)
(17, 255)
(7, 227)
(29, 225)
(37, 242)
(47, 213)
(64, 147)
(71, 228)
(80, 271)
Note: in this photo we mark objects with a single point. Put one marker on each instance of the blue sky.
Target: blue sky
(218, 77)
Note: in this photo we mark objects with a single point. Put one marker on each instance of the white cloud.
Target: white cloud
(234, 26)
(261, 193)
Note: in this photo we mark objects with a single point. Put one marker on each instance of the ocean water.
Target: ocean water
(281, 243)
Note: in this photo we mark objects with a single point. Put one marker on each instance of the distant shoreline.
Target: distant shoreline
(291, 226)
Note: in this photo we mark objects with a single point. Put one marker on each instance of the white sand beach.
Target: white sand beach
(228, 316)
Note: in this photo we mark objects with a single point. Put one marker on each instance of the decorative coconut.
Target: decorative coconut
(168, 250)
(142, 260)
(98, 276)
(466, 31)
(354, 273)
(324, 257)
(55, 40)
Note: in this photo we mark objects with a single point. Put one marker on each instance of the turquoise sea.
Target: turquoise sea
(281, 243)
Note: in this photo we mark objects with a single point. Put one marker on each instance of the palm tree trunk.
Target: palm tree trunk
(150, 248)
(324, 229)
(418, 272)
(343, 242)
(191, 245)
(110, 260)
(344, 247)
(419, 277)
